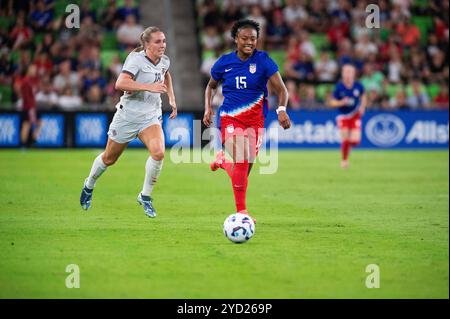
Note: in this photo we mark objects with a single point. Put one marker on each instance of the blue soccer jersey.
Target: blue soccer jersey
(244, 85)
(354, 94)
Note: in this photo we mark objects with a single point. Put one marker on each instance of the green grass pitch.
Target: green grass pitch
(318, 228)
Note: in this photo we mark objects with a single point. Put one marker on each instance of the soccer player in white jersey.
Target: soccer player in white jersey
(144, 78)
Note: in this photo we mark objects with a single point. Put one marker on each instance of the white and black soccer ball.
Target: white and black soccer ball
(239, 228)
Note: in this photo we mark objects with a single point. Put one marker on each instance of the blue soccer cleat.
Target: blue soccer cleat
(86, 197)
(146, 202)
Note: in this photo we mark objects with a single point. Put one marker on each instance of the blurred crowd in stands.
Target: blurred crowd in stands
(403, 64)
(69, 68)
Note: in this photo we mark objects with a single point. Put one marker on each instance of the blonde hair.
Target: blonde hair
(145, 37)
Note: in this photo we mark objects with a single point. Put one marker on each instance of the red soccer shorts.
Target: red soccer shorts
(350, 123)
(231, 127)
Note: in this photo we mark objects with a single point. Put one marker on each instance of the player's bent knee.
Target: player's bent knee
(158, 155)
(109, 160)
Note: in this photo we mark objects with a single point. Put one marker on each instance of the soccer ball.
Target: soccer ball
(239, 228)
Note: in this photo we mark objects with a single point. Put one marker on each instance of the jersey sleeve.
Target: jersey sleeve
(361, 87)
(217, 70)
(337, 91)
(270, 66)
(131, 65)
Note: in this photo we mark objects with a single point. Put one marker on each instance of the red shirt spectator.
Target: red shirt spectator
(441, 100)
(409, 33)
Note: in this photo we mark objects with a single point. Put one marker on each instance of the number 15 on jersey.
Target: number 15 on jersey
(241, 82)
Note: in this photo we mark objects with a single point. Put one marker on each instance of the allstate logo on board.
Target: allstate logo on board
(385, 130)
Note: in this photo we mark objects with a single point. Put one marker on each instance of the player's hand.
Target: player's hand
(362, 111)
(345, 101)
(284, 120)
(207, 118)
(174, 113)
(158, 87)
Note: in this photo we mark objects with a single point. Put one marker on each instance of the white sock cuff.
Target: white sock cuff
(100, 161)
(153, 162)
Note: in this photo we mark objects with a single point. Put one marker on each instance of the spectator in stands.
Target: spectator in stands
(41, 18)
(89, 58)
(211, 39)
(110, 18)
(129, 32)
(293, 50)
(209, 13)
(277, 31)
(438, 67)
(302, 70)
(231, 14)
(294, 96)
(372, 80)
(129, 9)
(395, 67)
(317, 18)
(21, 35)
(92, 78)
(66, 78)
(310, 102)
(306, 46)
(342, 12)
(6, 68)
(441, 101)
(418, 97)
(417, 67)
(115, 68)
(95, 98)
(294, 12)
(337, 32)
(43, 63)
(256, 14)
(387, 48)
(399, 100)
(68, 101)
(409, 33)
(208, 63)
(365, 46)
(46, 45)
(86, 11)
(46, 97)
(325, 68)
(90, 32)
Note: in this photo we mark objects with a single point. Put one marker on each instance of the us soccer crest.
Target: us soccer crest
(252, 68)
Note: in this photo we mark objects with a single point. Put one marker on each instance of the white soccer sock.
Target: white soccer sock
(98, 167)
(152, 170)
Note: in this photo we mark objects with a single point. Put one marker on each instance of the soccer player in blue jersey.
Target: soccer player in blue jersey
(350, 99)
(244, 74)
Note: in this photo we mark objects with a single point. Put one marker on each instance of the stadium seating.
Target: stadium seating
(5, 96)
(279, 56)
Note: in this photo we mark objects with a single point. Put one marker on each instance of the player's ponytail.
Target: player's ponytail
(145, 37)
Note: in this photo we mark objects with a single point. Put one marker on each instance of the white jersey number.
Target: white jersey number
(241, 82)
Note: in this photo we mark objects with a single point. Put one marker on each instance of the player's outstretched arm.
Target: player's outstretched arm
(126, 83)
(276, 83)
(170, 94)
(362, 108)
(338, 103)
(209, 112)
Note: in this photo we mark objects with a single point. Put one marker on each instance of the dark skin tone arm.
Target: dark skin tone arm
(276, 84)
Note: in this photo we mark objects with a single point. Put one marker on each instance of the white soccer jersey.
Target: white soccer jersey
(142, 105)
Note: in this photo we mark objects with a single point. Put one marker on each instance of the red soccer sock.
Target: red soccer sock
(239, 182)
(345, 149)
(228, 167)
(354, 143)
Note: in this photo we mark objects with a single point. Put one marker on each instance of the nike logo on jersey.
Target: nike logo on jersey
(228, 70)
